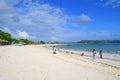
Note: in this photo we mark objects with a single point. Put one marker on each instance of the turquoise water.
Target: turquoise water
(110, 50)
(113, 48)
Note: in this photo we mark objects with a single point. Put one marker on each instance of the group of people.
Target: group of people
(94, 54)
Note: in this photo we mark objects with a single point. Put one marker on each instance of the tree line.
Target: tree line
(7, 36)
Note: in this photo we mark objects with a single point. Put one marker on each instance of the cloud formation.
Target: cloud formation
(26, 17)
(23, 35)
(31, 20)
(18, 34)
(37, 19)
(113, 3)
(84, 18)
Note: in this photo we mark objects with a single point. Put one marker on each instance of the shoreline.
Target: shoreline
(86, 53)
(111, 63)
(106, 55)
(89, 57)
(36, 62)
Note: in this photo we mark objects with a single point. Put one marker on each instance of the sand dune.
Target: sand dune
(34, 62)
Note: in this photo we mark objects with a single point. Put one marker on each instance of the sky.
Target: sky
(61, 20)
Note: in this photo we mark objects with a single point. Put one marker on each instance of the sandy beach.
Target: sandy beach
(35, 62)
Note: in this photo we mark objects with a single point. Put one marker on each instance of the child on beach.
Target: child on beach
(93, 54)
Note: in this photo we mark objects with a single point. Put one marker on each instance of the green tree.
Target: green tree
(5, 36)
(42, 42)
(14, 40)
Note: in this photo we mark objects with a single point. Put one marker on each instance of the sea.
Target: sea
(109, 50)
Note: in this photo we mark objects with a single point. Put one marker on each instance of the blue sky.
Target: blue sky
(61, 20)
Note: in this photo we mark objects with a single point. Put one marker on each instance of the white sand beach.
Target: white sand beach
(34, 62)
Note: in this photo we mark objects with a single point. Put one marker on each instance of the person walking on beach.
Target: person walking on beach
(93, 54)
(100, 53)
(54, 50)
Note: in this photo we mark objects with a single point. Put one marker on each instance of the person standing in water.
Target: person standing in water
(93, 54)
(100, 53)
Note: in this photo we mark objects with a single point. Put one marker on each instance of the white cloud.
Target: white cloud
(113, 3)
(6, 29)
(84, 18)
(5, 7)
(18, 34)
(38, 19)
(23, 35)
(42, 20)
